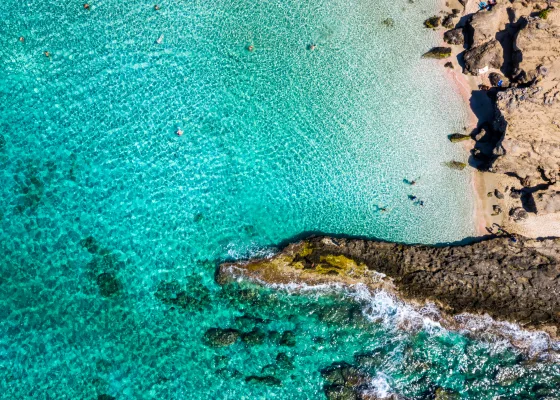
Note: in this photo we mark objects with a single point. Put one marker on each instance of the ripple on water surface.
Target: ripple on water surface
(111, 225)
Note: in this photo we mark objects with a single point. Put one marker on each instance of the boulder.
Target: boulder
(454, 36)
(518, 214)
(449, 64)
(498, 194)
(479, 59)
(484, 25)
(457, 137)
(438, 52)
(448, 22)
(495, 79)
(432, 22)
(218, 337)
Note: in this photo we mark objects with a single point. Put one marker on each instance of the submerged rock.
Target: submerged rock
(218, 337)
(108, 284)
(456, 165)
(438, 52)
(265, 380)
(256, 336)
(288, 338)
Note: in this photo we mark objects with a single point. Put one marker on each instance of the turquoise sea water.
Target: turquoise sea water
(112, 225)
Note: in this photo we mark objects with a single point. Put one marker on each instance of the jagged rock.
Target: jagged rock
(457, 137)
(456, 165)
(449, 64)
(438, 52)
(456, 277)
(527, 117)
(498, 194)
(342, 373)
(448, 22)
(497, 209)
(518, 214)
(432, 22)
(489, 54)
(484, 25)
(339, 392)
(218, 337)
(515, 194)
(495, 79)
(109, 284)
(454, 36)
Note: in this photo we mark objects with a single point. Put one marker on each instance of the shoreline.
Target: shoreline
(413, 274)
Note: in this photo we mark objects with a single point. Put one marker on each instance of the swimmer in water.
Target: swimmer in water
(179, 132)
(250, 47)
(47, 54)
(86, 6)
(312, 47)
(156, 7)
(21, 39)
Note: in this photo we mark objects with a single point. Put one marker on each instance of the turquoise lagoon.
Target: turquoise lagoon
(277, 142)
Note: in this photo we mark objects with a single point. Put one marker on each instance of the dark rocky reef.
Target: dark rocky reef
(512, 279)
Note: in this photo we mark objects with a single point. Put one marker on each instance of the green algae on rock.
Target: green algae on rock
(459, 166)
(432, 22)
(438, 53)
(517, 279)
(458, 137)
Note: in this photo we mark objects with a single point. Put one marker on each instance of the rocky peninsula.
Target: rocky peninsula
(509, 55)
(510, 279)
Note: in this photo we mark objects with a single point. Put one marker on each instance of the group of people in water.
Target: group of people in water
(413, 198)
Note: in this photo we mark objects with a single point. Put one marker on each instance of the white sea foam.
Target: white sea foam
(381, 306)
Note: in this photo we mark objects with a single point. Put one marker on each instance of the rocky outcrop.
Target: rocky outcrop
(479, 59)
(438, 52)
(514, 279)
(454, 36)
(484, 25)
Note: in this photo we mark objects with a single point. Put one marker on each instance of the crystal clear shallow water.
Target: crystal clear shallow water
(277, 142)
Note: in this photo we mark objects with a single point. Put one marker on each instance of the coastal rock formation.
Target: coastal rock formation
(454, 36)
(509, 279)
(438, 52)
(484, 25)
(479, 59)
